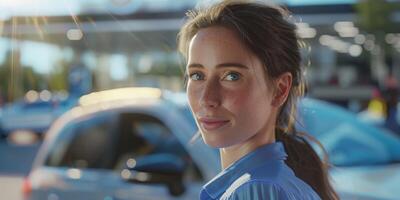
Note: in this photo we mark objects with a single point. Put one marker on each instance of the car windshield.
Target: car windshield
(74, 150)
(348, 140)
(113, 139)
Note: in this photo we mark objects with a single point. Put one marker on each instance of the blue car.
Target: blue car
(34, 115)
(136, 143)
(365, 158)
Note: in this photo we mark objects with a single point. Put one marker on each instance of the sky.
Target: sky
(65, 7)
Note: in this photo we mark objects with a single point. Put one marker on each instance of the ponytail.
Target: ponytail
(305, 162)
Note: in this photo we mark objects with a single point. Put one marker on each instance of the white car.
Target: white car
(129, 143)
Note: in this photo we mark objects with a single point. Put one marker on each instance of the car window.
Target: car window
(110, 141)
(85, 144)
(144, 135)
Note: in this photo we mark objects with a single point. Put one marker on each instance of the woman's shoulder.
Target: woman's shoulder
(266, 190)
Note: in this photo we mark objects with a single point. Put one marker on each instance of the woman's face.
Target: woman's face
(227, 89)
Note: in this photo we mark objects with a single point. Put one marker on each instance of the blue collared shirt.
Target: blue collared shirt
(259, 175)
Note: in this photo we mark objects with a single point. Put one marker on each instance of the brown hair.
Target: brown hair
(272, 38)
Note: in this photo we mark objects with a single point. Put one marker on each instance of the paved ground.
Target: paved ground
(15, 163)
(11, 187)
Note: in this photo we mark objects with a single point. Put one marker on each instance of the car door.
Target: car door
(77, 163)
(145, 136)
(89, 155)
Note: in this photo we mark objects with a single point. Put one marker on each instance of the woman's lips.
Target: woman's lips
(212, 124)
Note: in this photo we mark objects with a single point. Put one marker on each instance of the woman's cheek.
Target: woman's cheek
(193, 97)
(238, 100)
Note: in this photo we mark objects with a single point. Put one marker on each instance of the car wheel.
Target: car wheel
(176, 189)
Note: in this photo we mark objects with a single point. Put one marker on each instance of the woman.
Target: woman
(243, 82)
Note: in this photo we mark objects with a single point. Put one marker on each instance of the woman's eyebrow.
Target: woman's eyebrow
(221, 65)
(195, 65)
(238, 65)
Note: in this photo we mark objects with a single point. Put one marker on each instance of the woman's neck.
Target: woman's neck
(233, 153)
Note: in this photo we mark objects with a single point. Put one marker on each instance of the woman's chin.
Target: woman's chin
(215, 142)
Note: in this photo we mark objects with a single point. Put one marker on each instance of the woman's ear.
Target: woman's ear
(283, 85)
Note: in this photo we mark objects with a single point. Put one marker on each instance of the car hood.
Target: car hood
(363, 180)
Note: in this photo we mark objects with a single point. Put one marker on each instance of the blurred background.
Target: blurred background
(54, 51)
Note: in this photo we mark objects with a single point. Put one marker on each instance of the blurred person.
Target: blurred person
(391, 96)
(243, 81)
(79, 80)
(375, 112)
(392, 119)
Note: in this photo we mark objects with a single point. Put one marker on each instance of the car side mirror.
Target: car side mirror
(163, 168)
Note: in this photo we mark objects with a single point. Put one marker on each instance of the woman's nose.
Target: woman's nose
(210, 95)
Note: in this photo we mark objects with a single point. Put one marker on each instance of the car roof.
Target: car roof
(119, 94)
(118, 98)
(110, 100)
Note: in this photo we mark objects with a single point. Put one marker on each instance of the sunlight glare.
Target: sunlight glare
(1, 27)
(16, 3)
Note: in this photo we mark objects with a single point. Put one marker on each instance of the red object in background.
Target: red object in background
(391, 82)
(26, 188)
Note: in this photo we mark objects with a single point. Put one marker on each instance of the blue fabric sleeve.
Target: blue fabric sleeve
(264, 190)
(258, 190)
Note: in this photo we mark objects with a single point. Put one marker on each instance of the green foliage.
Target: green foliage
(14, 83)
(165, 69)
(375, 15)
(58, 77)
(30, 79)
(16, 80)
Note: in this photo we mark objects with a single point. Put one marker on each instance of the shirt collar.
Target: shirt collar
(263, 154)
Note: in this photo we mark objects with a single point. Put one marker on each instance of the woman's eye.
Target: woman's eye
(196, 76)
(232, 76)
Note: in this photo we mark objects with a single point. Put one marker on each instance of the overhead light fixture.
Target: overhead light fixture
(74, 34)
(31, 96)
(359, 39)
(302, 25)
(349, 32)
(346, 29)
(340, 46)
(45, 95)
(325, 39)
(369, 45)
(390, 38)
(338, 26)
(305, 31)
(355, 50)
